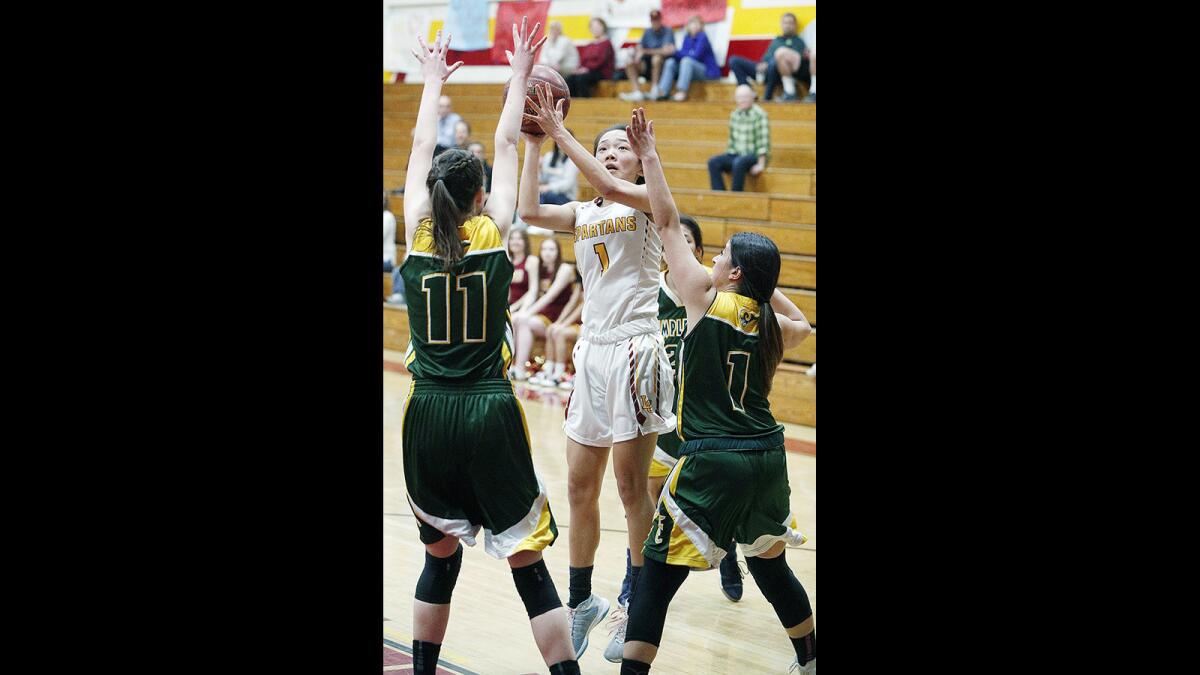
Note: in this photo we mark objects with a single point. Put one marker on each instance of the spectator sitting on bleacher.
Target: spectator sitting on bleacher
(749, 143)
(695, 60)
(657, 45)
(447, 119)
(554, 281)
(596, 61)
(389, 236)
(389, 254)
(477, 149)
(558, 177)
(781, 63)
(523, 289)
(559, 52)
(810, 40)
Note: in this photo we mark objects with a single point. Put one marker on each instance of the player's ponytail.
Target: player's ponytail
(453, 181)
(758, 257)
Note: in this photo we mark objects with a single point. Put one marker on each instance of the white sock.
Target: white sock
(789, 84)
(556, 369)
(812, 88)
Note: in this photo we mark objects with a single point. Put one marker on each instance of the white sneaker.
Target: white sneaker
(680, 96)
(618, 621)
(583, 619)
(812, 370)
(809, 668)
(635, 95)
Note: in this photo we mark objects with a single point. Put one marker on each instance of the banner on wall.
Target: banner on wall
(401, 26)
(675, 13)
(629, 13)
(508, 13)
(467, 24)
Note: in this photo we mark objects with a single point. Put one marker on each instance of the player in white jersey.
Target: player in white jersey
(623, 378)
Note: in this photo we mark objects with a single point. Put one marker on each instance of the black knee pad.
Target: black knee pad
(781, 588)
(436, 584)
(536, 589)
(656, 586)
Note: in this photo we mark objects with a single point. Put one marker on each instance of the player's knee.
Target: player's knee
(436, 584)
(536, 588)
(648, 607)
(582, 488)
(781, 588)
(631, 488)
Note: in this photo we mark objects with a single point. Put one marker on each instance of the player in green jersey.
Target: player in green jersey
(456, 278)
(730, 483)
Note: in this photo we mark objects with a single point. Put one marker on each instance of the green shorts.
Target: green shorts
(467, 464)
(723, 490)
(666, 454)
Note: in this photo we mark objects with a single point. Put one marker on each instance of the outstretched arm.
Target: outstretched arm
(503, 197)
(435, 72)
(552, 216)
(792, 322)
(549, 117)
(691, 280)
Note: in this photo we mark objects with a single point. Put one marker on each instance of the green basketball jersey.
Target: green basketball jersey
(672, 319)
(722, 386)
(458, 320)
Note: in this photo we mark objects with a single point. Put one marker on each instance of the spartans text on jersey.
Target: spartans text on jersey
(606, 226)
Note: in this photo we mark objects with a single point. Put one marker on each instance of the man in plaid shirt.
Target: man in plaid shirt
(749, 143)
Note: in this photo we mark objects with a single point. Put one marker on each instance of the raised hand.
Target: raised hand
(433, 59)
(547, 115)
(641, 134)
(522, 60)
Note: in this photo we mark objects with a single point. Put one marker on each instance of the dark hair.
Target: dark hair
(524, 237)
(691, 224)
(758, 257)
(596, 146)
(453, 181)
(789, 14)
(558, 259)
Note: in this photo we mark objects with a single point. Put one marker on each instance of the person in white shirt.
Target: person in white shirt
(390, 264)
(557, 178)
(559, 52)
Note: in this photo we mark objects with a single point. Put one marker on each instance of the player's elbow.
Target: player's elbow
(529, 214)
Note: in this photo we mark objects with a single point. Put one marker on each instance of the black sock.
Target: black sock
(806, 647)
(581, 585)
(631, 667)
(565, 668)
(425, 657)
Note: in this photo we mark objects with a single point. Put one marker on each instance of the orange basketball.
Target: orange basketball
(558, 89)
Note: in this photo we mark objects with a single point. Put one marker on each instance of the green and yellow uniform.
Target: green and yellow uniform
(672, 318)
(467, 458)
(730, 482)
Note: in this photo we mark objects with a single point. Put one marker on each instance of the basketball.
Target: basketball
(558, 89)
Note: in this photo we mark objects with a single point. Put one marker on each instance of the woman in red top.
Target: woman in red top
(555, 280)
(522, 292)
(596, 60)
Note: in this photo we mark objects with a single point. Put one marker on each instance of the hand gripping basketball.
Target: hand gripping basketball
(548, 111)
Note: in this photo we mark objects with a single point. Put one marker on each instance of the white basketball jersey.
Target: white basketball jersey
(618, 252)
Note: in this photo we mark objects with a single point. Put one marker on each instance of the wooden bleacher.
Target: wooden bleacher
(780, 203)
